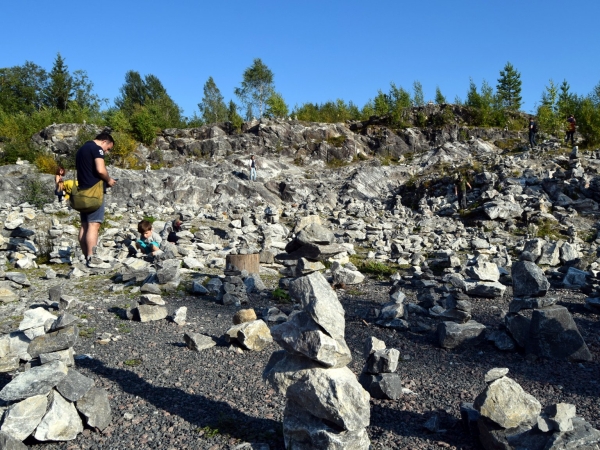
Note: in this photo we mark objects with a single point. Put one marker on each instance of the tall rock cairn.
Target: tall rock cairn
(326, 407)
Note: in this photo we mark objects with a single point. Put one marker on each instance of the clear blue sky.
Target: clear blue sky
(318, 50)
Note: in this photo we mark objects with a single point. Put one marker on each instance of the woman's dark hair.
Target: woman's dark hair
(59, 169)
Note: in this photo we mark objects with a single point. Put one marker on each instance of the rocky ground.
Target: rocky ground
(340, 199)
(165, 396)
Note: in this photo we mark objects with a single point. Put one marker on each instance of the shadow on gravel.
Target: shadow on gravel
(409, 423)
(198, 410)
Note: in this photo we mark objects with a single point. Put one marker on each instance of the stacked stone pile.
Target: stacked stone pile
(378, 376)
(326, 407)
(248, 331)
(312, 244)
(505, 416)
(49, 399)
(537, 323)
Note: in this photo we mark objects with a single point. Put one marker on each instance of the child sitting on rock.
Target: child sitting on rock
(149, 242)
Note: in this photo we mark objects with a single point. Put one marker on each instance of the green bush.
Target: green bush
(281, 295)
(37, 193)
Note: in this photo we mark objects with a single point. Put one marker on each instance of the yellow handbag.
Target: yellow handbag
(87, 200)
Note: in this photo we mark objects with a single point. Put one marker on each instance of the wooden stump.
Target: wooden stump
(249, 263)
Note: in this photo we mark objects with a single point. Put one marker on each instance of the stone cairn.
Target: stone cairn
(536, 323)
(148, 308)
(326, 407)
(505, 416)
(49, 398)
(304, 254)
(378, 376)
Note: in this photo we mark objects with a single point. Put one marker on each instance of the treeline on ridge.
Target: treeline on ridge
(32, 98)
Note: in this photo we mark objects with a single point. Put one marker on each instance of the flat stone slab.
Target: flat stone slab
(36, 381)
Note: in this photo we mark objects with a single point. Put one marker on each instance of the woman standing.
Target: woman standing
(252, 168)
(59, 187)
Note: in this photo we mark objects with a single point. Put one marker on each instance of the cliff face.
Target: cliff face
(303, 140)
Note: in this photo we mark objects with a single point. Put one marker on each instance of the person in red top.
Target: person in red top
(571, 126)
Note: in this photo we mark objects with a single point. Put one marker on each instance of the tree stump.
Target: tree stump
(249, 263)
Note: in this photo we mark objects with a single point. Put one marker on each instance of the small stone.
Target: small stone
(494, 374)
(180, 316)
(95, 407)
(244, 315)
(198, 341)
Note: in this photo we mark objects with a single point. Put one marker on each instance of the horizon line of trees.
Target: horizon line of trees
(32, 98)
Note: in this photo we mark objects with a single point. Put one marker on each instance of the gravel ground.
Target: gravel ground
(165, 396)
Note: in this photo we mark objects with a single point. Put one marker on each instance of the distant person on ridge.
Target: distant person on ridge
(460, 190)
(91, 169)
(571, 126)
(252, 168)
(532, 132)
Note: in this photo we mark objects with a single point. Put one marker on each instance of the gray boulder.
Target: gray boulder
(254, 335)
(506, 403)
(553, 334)
(320, 301)
(7, 442)
(74, 386)
(453, 335)
(61, 422)
(198, 341)
(53, 342)
(303, 431)
(21, 419)
(95, 407)
(382, 361)
(483, 271)
(528, 280)
(333, 395)
(301, 335)
(383, 386)
(36, 381)
(148, 313)
(487, 289)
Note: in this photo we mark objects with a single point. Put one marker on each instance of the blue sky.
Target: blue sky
(318, 50)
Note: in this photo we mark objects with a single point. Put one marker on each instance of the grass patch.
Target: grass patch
(150, 219)
(87, 332)
(336, 163)
(355, 292)
(548, 229)
(336, 141)
(281, 295)
(123, 328)
(376, 268)
(132, 362)
(208, 431)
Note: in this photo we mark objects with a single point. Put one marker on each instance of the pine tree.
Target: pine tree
(509, 87)
(212, 108)
(233, 116)
(439, 97)
(418, 97)
(60, 87)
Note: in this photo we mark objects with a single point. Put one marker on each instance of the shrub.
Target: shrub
(336, 163)
(37, 193)
(45, 163)
(123, 152)
(336, 141)
(281, 295)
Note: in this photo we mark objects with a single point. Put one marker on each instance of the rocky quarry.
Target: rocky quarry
(376, 309)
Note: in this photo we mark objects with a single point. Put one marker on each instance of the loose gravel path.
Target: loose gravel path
(165, 396)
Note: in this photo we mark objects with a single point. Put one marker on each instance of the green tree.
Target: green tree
(439, 97)
(509, 88)
(59, 90)
(399, 102)
(212, 108)
(22, 88)
(147, 103)
(83, 94)
(418, 97)
(547, 113)
(276, 106)
(257, 86)
(381, 104)
(481, 103)
(233, 116)
(566, 100)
